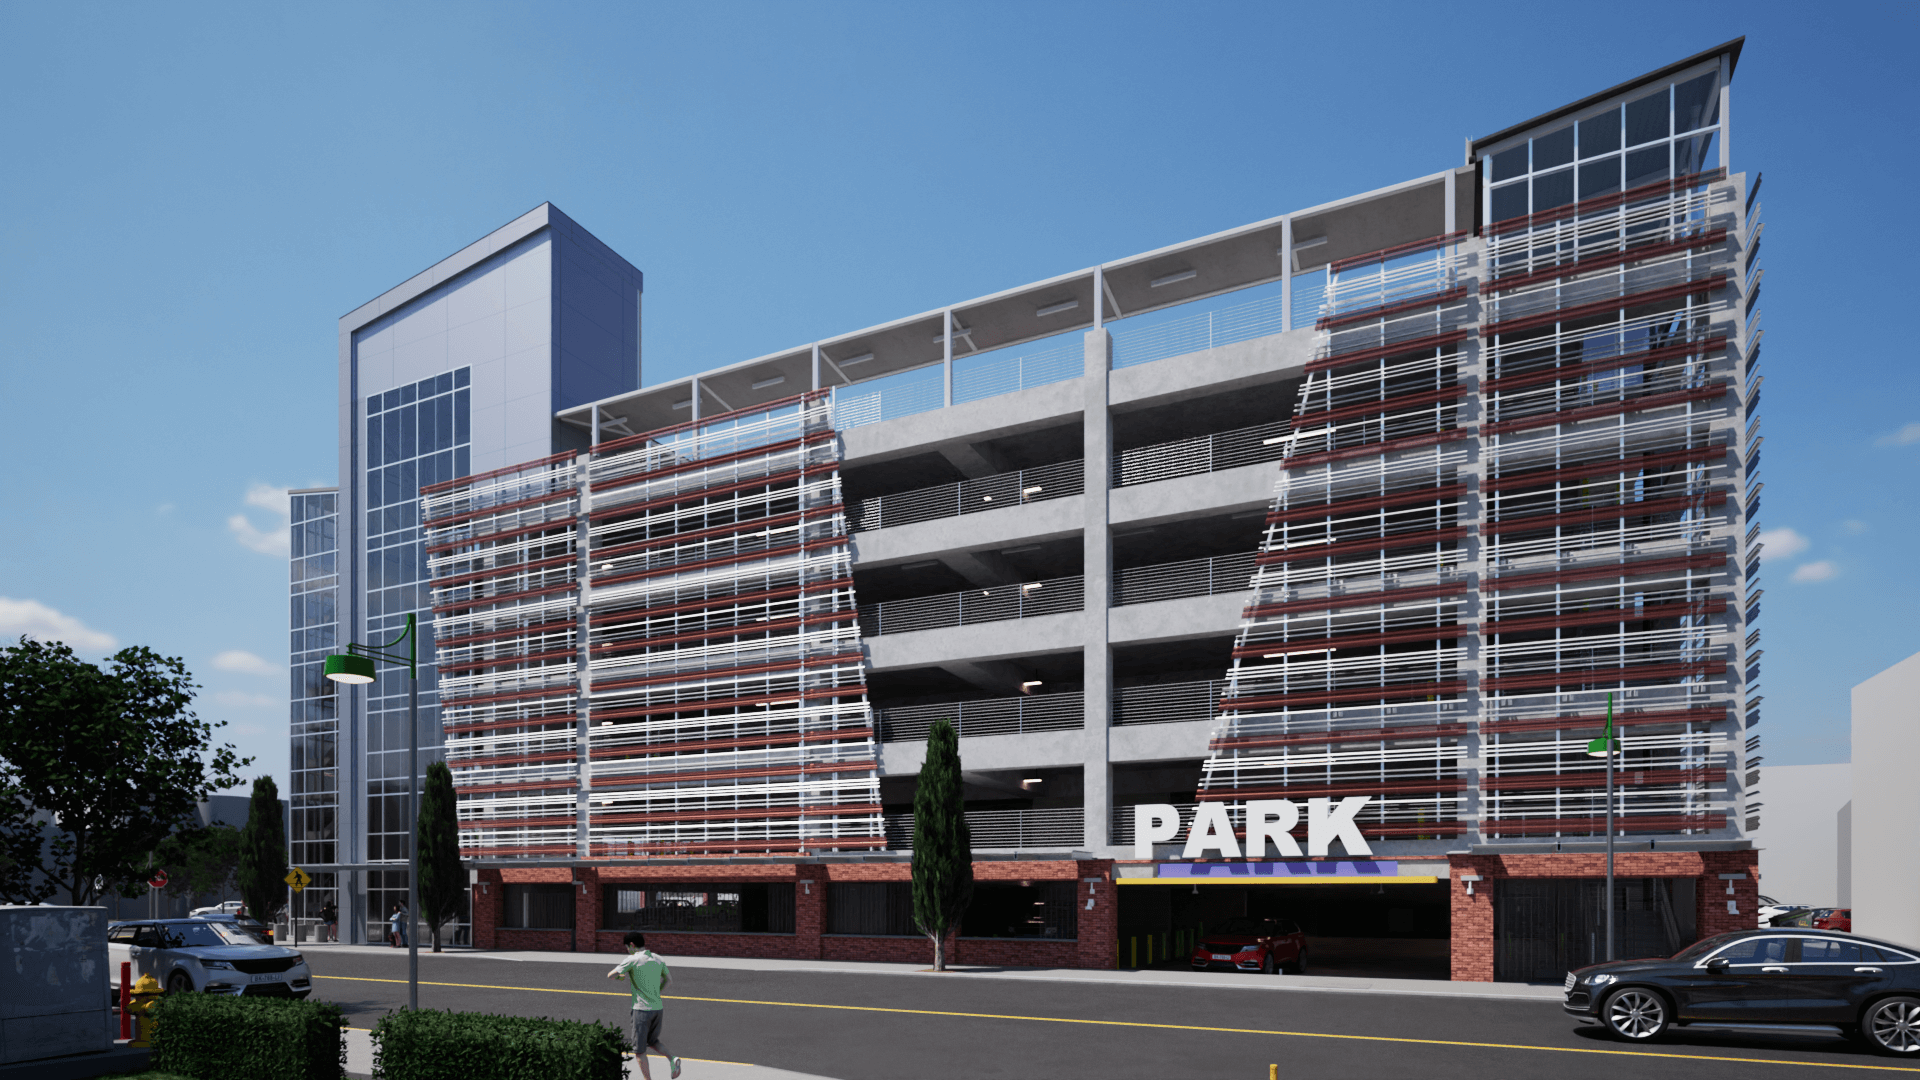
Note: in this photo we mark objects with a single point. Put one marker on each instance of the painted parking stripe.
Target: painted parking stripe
(1167, 1027)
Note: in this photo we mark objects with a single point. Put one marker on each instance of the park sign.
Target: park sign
(1266, 819)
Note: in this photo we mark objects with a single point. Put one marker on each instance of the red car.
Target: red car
(1245, 944)
(1840, 919)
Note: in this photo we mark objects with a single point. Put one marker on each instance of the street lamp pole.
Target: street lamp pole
(1606, 746)
(356, 667)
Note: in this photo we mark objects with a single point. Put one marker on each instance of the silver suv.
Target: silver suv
(200, 954)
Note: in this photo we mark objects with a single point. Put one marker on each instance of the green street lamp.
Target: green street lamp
(357, 667)
(1606, 746)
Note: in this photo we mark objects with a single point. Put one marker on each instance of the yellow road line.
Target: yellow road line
(1173, 1027)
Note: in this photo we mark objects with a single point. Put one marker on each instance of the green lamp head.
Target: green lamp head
(347, 668)
(1596, 748)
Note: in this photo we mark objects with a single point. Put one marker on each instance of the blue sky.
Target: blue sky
(196, 193)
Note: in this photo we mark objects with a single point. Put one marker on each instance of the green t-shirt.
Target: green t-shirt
(645, 973)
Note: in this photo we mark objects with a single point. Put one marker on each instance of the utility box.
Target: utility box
(54, 982)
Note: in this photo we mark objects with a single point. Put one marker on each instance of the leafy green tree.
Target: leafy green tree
(443, 880)
(112, 755)
(23, 838)
(201, 861)
(263, 852)
(942, 847)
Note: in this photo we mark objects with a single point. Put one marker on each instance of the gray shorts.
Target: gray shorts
(646, 1028)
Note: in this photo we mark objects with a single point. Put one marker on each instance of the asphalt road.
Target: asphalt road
(925, 1027)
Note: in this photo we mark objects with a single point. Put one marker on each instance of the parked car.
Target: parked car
(1869, 989)
(231, 907)
(1840, 919)
(215, 955)
(1791, 917)
(1247, 944)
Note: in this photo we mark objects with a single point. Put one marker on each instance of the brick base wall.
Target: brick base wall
(1094, 947)
(1473, 940)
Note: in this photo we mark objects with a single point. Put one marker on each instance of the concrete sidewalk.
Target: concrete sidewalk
(1214, 980)
(360, 1064)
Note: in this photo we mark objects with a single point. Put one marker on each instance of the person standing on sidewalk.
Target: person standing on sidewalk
(647, 975)
(330, 917)
(397, 927)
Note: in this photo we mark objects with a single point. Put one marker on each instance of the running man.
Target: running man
(647, 974)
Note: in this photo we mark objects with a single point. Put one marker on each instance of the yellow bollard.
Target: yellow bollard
(146, 991)
(1273, 1072)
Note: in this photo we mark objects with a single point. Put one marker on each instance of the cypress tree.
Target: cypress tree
(263, 852)
(942, 847)
(443, 880)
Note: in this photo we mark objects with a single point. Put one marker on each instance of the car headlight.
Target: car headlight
(1601, 979)
(221, 965)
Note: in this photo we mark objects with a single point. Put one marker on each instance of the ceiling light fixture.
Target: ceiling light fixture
(1027, 688)
(861, 359)
(1176, 276)
(775, 380)
(1055, 309)
(683, 404)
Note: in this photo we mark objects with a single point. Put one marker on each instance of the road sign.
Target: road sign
(298, 878)
(158, 880)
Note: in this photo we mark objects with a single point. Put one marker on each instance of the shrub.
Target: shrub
(428, 1045)
(219, 1037)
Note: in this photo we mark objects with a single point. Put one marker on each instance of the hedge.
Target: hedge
(220, 1037)
(429, 1045)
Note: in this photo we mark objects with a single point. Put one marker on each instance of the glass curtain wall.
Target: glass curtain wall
(1661, 134)
(314, 725)
(416, 435)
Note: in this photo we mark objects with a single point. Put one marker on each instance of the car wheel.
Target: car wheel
(1636, 1015)
(1267, 966)
(1300, 962)
(1892, 1026)
(179, 983)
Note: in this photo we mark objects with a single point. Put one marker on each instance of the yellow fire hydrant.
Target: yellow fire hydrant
(146, 991)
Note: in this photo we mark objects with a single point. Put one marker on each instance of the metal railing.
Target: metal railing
(890, 397)
(1203, 330)
(987, 716)
(996, 492)
(1201, 454)
(1060, 827)
(1167, 703)
(967, 607)
(1209, 576)
(992, 374)
(1120, 828)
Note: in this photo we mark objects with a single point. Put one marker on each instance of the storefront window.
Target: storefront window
(539, 907)
(731, 908)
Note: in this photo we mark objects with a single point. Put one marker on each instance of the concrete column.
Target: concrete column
(1097, 447)
(583, 717)
(1286, 274)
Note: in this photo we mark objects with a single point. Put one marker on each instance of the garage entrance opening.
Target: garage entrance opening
(1382, 931)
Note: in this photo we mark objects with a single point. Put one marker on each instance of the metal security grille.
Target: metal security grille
(985, 716)
(969, 607)
(1545, 928)
(975, 496)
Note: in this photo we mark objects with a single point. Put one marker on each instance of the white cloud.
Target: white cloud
(42, 623)
(238, 700)
(273, 540)
(1815, 571)
(1782, 543)
(1854, 526)
(1906, 436)
(242, 661)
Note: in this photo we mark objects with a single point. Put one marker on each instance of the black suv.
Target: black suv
(1868, 989)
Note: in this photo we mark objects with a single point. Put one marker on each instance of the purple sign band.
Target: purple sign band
(1331, 868)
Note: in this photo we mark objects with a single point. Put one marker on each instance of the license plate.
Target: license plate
(265, 978)
(1222, 956)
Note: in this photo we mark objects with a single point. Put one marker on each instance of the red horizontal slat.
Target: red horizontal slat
(1643, 508)
(1385, 543)
(643, 750)
(1593, 412)
(1380, 596)
(1591, 469)
(1580, 311)
(1600, 675)
(1383, 311)
(1379, 449)
(1373, 502)
(1603, 262)
(1370, 693)
(1629, 568)
(1361, 356)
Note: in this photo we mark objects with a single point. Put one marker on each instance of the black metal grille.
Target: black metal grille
(263, 967)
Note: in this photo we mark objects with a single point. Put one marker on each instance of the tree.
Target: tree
(443, 880)
(113, 756)
(942, 847)
(23, 839)
(263, 852)
(201, 861)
